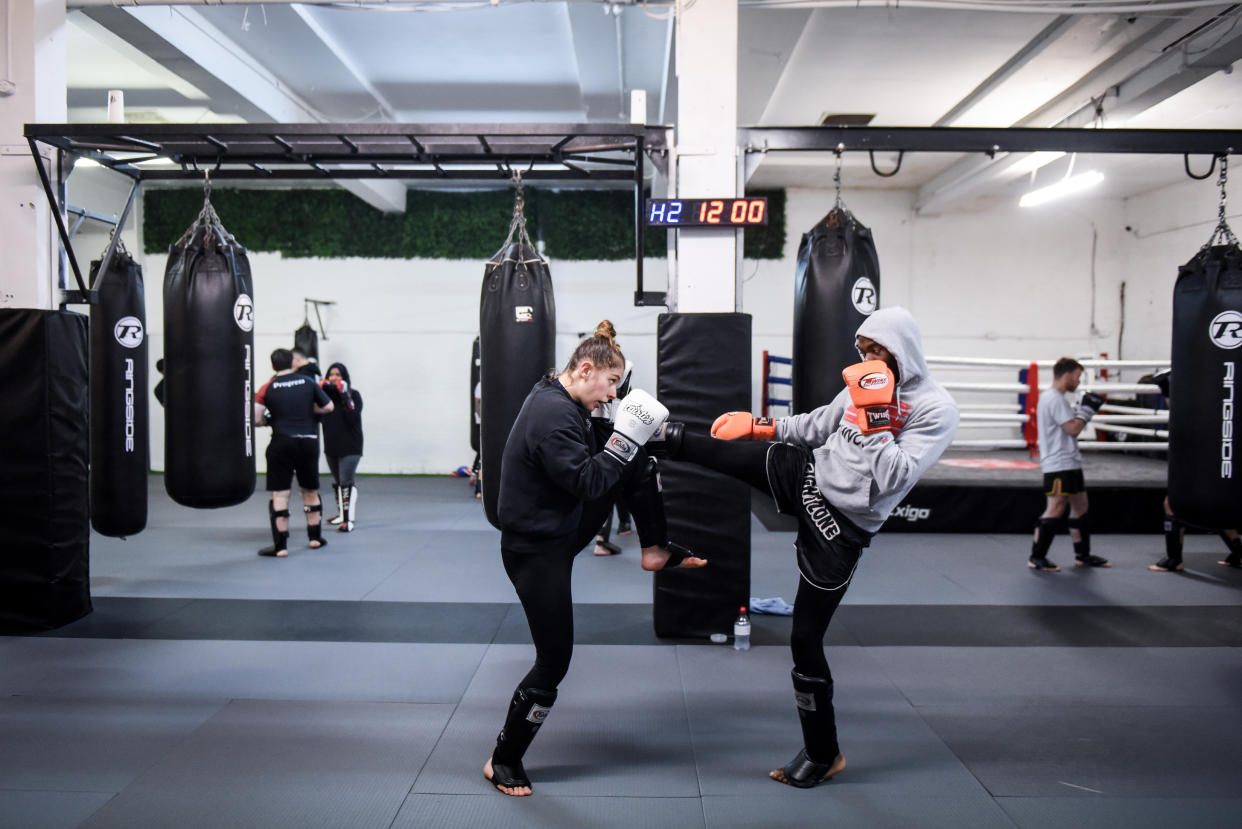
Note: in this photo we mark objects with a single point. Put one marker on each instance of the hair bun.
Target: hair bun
(605, 329)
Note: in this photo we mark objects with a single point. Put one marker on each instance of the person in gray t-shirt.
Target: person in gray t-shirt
(1059, 425)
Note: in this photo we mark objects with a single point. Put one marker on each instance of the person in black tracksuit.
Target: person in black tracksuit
(342, 443)
(556, 486)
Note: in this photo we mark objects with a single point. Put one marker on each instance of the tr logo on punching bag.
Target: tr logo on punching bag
(243, 312)
(1226, 329)
(864, 296)
(128, 332)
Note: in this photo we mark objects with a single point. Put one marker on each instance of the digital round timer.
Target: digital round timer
(706, 212)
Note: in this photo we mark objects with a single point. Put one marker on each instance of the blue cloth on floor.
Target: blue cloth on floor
(773, 607)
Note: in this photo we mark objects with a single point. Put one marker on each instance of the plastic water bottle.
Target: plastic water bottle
(741, 631)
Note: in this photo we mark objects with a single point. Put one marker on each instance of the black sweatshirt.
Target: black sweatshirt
(551, 466)
(342, 427)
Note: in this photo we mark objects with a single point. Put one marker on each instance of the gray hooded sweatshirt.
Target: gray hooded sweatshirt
(865, 477)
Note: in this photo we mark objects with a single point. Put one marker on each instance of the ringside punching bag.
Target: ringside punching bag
(837, 286)
(517, 345)
(120, 403)
(1205, 470)
(209, 368)
(474, 384)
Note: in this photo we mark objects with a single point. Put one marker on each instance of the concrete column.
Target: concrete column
(32, 90)
(706, 273)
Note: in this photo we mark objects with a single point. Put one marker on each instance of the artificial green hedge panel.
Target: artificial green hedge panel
(573, 224)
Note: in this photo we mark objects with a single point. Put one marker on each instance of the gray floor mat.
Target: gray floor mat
(211, 670)
(619, 727)
(89, 745)
(47, 810)
(1118, 813)
(745, 723)
(1023, 750)
(541, 811)
(285, 764)
(1071, 677)
(831, 805)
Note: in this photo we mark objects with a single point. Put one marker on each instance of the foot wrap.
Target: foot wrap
(509, 775)
(804, 772)
(677, 553)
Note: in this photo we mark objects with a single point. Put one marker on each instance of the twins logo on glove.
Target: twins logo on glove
(637, 420)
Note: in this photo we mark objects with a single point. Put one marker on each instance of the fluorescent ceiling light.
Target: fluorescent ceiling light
(85, 162)
(1064, 187)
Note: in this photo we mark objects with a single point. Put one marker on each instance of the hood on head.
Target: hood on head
(345, 372)
(895, 329)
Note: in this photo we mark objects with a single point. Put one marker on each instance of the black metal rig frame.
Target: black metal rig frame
(428, 152)
(539, 152)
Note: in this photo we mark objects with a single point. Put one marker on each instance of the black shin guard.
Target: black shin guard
(1045, 531)
(1235, 550)
(819, 732)
(280, 538)
(527, 711)
(1172, 538)
(644, 493)
(314, 532)
(1082, 547)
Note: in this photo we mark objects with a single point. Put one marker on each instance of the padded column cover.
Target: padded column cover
(837, 286)
(44, 509)
(704, 370)
(1205, 464)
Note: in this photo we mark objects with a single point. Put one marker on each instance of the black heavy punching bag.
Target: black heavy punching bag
(209, 368)
(1205, 470)
(517, 344)
(837, 286)
(474, 384)
(306, 340)
(120, 403)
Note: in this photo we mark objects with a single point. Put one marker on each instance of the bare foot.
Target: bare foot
(316, 543)
(655, 557)
(512, 791)
(837, 765)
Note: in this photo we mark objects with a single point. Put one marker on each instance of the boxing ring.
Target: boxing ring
(989, 481)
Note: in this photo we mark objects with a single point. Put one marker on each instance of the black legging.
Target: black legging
(814, 607)
(542, 579)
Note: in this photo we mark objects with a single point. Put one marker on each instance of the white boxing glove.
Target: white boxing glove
(638, 416)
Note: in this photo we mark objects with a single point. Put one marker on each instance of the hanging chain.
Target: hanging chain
(836, 178)
(518, 225)
(1222, 232)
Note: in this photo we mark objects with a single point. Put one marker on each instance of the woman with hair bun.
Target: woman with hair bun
(559, 477)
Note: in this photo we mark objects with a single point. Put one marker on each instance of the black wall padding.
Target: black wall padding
(44, 509)
(703, 370)
(120, 404)
(209, 377)
(474, 383)
(306, 340)
(1205, 466)
(836, 287)
(517, 344)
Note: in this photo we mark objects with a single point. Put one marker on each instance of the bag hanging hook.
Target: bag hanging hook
(1222, 232)
(836, 176)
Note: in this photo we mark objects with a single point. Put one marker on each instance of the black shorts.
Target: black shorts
(286, 456)
(828, 544)
(1065, 482)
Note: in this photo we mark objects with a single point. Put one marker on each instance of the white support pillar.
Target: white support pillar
(706, 156)
(32, 90)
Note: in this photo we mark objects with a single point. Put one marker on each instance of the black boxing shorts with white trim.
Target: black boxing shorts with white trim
(1065, 482)
(828, 544)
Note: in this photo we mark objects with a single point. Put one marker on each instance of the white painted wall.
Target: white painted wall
(1003, 282)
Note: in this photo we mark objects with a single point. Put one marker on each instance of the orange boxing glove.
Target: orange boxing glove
(743, 426)
(871, 386)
